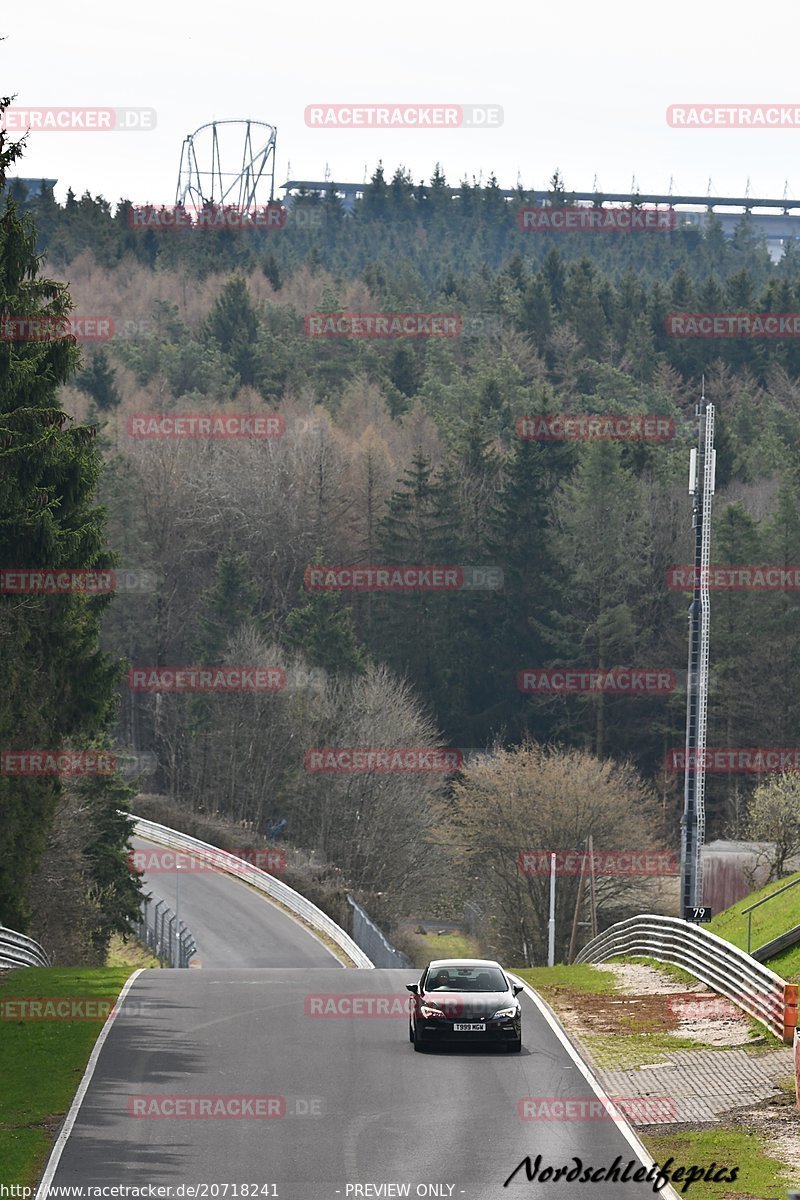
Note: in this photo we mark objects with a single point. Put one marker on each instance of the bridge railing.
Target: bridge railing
(18, 950)
(227, 862)
(750, 985)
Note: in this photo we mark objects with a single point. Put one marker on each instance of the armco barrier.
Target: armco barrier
(225, 862)
(17, 950)
(725, 968)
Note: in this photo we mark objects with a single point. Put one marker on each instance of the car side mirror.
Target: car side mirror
(413, 987)
(516, 989)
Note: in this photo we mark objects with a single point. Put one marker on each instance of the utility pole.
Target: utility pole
(573, 941)
(592, 894)
(702, 464)
(551, 924)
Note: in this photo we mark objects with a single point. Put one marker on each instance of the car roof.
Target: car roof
(463, 962)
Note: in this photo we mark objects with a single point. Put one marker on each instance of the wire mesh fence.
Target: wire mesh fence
(366, 934)
(474, 919)
(158, 927)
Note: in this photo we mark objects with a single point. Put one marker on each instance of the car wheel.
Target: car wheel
(417, 1040)
(410, 1032)
(514, 1047)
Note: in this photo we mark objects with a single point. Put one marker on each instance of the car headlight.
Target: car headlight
(426, 1010)
(513, 1011)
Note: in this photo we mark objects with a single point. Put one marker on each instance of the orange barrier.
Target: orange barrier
(789, 1012)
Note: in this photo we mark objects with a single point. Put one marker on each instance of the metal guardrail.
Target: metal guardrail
(373, 941)
(725, 968)
(17, 950)
(156, 927)
(225, 861)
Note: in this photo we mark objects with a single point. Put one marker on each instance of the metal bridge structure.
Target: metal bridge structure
(777, 219)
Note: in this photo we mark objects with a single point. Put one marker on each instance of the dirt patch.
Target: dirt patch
(608, 1014)
(660, 1004)
(776, 1120)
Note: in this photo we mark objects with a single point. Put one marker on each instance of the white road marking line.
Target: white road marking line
(638, 1147)
(66, 1129)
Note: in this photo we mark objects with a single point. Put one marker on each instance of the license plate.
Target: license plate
(477, 1027)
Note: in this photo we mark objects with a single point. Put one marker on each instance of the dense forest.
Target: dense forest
(406, 451)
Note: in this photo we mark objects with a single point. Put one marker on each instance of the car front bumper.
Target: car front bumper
(437, 1029)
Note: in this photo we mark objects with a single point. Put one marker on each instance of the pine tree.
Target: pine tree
(231, 600)
(98, 380)
(58, 686)
(523, 613)
(603, 542)
(233, 325)
(322, 630)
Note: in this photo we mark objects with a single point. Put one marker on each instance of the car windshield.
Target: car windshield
(465, 979)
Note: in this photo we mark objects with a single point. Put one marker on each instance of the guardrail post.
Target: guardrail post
(789, 1012)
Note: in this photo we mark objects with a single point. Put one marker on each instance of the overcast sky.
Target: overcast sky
(584, 86)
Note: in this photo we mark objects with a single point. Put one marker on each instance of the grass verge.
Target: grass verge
(42, 1061)
(129, 953)
(579, 977)
(768, 922)
(449, 945)
(758, 1173)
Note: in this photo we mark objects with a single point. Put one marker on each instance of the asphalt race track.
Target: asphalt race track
(232, 924)
(354, 1106)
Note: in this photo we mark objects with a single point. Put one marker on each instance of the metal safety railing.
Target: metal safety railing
(227, 862)
(159, 929)
(18, 950)
(750, 985)
(765, 900)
